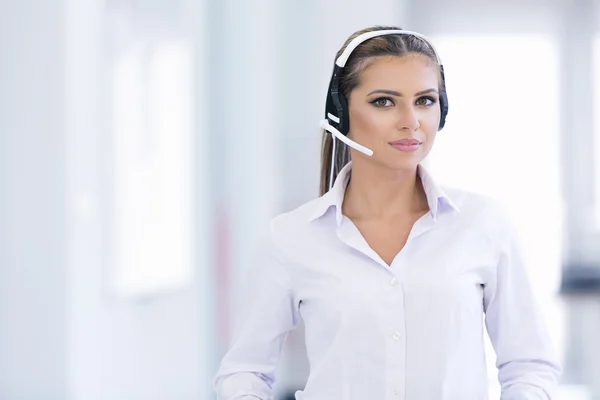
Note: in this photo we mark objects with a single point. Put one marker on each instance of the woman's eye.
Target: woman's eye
(426, 101)
(382, 102)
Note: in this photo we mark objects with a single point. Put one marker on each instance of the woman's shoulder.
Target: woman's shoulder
(292, 230)
(296, 218)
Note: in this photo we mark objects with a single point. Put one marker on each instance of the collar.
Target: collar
(437, 199)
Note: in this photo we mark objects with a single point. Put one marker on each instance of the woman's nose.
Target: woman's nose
(408, 119)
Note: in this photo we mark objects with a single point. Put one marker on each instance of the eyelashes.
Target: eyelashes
(382, 102)
(385, 102)
(429, 100)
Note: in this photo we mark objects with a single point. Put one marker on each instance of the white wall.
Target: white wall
(32, 201)
(62, 335)
(120, 348)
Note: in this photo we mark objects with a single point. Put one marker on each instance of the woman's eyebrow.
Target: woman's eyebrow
(398, 94)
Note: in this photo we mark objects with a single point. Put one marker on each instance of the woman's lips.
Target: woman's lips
(406, 145)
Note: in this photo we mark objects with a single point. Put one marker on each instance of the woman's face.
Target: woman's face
(395, 110)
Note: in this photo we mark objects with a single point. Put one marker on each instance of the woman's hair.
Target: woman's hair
(359, 60)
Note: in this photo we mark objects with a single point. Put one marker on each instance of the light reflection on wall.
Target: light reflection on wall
(152, 170)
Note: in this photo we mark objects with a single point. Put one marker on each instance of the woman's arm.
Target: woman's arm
(528, 367)
(247, 370)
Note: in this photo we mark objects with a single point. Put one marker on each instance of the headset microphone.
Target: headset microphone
(327, 126)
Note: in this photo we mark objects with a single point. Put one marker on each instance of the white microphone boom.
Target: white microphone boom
(327, 126)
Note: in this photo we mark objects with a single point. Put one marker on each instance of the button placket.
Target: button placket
(396, 337)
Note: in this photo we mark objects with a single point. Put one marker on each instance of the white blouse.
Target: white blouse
(412, 330)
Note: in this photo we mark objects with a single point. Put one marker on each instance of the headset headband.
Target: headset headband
(341, 61)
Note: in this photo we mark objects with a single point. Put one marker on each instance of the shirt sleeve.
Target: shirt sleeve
(247, 371)
(528, 367)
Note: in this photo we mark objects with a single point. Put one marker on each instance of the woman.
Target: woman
(391, 274)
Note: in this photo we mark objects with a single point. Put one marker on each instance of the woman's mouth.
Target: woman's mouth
(406, 145)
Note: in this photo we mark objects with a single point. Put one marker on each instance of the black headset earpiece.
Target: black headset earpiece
(336, 108)
(443, 99)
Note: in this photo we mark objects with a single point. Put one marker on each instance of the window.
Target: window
(501, 139)
(151, 104)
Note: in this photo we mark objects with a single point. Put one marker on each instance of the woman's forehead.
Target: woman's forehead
(412, 69)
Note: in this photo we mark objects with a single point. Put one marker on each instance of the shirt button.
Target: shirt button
(396, 391)
(397, 335)
(394, 282)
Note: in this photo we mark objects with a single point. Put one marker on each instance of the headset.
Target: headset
(337, 121)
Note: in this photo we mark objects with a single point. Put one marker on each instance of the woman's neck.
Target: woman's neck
(380, 192)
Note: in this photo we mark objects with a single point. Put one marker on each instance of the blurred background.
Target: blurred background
(144, 144)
